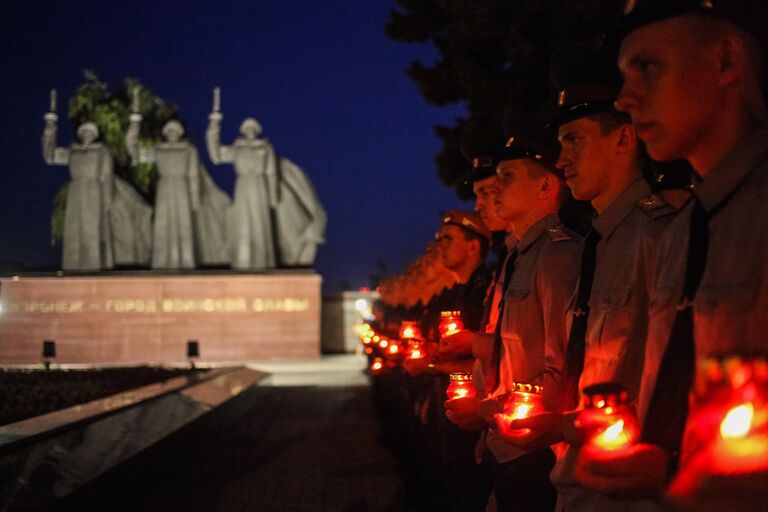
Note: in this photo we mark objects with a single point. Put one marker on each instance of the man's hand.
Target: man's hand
(489, 407)
(416, 367)
(639, 471)
(463, 412)
(450, 367)
(534, 433)
(456, 346)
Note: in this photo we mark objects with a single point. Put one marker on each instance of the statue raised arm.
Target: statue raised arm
(249, 224)
(87, 241)
(51, 154)
(139, 155)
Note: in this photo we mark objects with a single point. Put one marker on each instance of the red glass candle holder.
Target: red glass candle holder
(409, 330)
(524, 401)
(728, 419)
(416, 350)
(450, 323)
(606, 422)
(460, 386)
(377, 365)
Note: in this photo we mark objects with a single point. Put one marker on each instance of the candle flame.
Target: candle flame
(393, 349)
(376, 365)
(408, 332)
(383, 343)
(738, 421)
(613, 432)
(416, 354)
(613, 437)
(460, 393)
(521, 411)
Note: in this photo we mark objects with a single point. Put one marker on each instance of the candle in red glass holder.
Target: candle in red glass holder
(606, 422)
(460, 386)
(416, 350)
(377, 365)
(524, 401)
(450, 323)
(729, 414)
(409, 330)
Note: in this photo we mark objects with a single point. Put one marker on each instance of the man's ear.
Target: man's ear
(547, 185)
(626, 139)
(732, 58)
(474, 246)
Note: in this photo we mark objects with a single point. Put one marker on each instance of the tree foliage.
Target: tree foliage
(492, 55)
(93, 101)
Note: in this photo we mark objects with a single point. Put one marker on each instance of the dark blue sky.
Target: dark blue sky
(326, 84)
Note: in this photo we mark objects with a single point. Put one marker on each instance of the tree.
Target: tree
(492, 55)
(109, 110)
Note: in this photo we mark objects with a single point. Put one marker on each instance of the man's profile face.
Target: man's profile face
(668, 90)
(517, 189)
(585, 157)
(486, 191)
(454, 246)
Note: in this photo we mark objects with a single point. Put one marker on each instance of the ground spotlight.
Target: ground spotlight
(49, 353)
(193, 352)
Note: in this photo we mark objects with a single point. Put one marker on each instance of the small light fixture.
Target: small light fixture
(193, 352)
(49, 353)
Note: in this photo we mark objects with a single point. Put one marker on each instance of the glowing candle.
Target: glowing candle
(377, 365)
(606, 422)
(416, 350)
(450, 323)
(409, 330)
(460, 386)
(524, 401)
(728, 421)
(738, 448)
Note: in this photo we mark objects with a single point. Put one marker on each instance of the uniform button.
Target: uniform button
(553, 229)
(649, 202)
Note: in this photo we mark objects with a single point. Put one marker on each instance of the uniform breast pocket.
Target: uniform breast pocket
(727, 299)
(610, 316)
(664, 297)
(517, 312)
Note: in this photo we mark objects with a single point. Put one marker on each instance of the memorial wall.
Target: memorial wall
(142, 319)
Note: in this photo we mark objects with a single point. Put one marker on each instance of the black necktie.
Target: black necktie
(493, 382)
(568, 394)
(489, 301)
(668, 409)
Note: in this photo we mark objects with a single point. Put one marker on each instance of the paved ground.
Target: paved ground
(305, 440)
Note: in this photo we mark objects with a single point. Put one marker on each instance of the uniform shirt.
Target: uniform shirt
(630, 228)
(533, 323)
(480, 368)
(730, 310)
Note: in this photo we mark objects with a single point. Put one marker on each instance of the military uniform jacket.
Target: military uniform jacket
(533, 322)
(730, 309)
(630, 229)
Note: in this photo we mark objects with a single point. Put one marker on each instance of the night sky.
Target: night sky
(321, 77)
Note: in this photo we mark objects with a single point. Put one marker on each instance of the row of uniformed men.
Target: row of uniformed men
(659, 282)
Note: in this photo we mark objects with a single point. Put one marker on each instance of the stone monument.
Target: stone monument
(301, 218)
(184, 234)
(250, 239)
(105, 222)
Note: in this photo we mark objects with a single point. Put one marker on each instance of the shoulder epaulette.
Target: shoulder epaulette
(556, 233)
(663, 202)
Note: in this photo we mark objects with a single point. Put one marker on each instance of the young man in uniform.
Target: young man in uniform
(693, 85)
(601, 160)
(530, 333)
